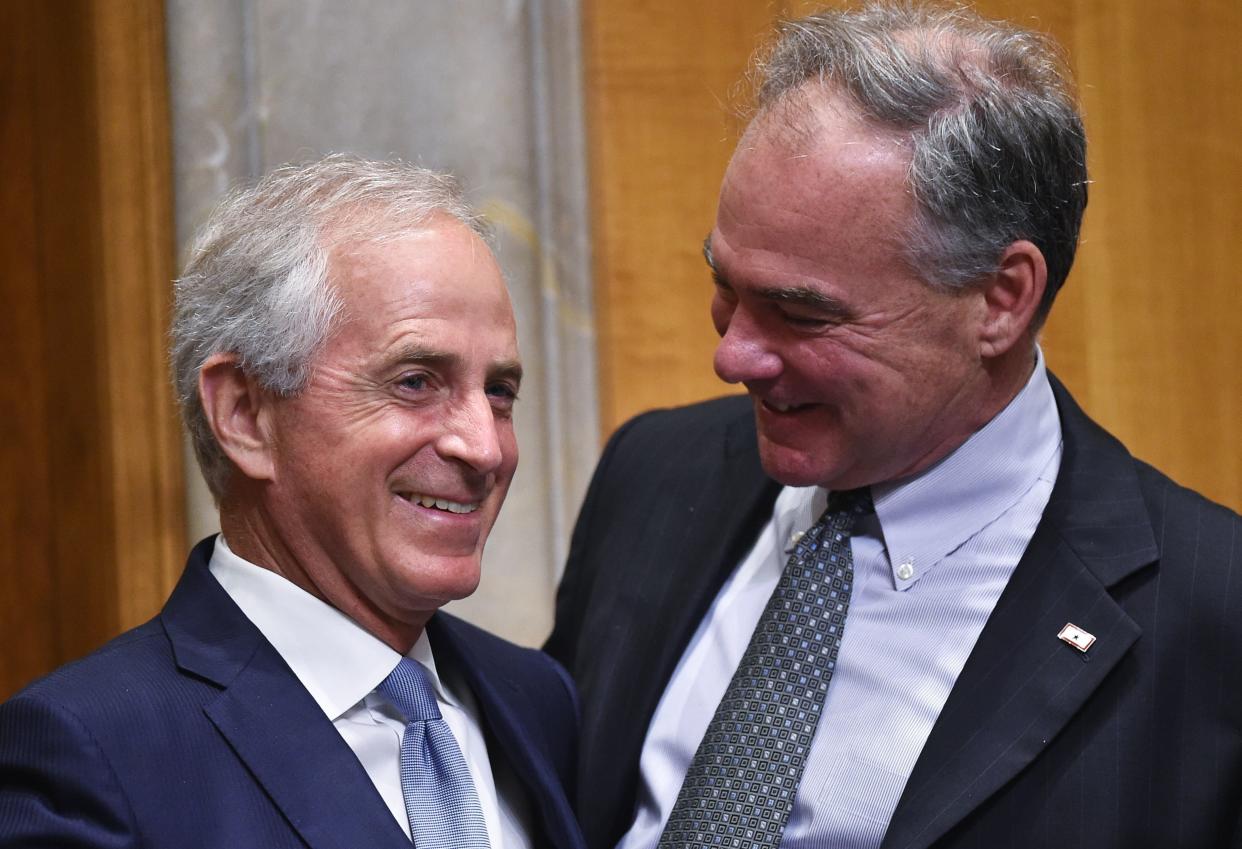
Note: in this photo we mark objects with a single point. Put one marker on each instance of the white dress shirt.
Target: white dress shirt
(341, 664)
(929, 566)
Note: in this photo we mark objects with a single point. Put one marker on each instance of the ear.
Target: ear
(237, 410)
(1012, 297)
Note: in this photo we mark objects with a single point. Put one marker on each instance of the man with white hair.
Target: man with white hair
(346, 359)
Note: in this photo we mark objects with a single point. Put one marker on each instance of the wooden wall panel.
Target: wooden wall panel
(134, 172)
(26, 584)
(90, 477)
(1146, 332)
(660, 133)
(1150, 340)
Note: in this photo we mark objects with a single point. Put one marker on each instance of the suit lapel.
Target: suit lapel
(1021, 684)
(495, 691)
(271, 721)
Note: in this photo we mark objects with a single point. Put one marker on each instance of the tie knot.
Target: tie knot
(409, 688)
(856, 501)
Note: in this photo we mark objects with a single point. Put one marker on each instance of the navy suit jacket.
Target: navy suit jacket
(1136, 743)
(191, 731)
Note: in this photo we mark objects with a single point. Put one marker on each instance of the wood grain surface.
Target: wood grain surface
(91, 500)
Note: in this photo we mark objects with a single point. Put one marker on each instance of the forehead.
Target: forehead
(810, 178)
(437, 280)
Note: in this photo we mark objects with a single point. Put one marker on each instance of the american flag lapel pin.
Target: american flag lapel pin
(1076, 637)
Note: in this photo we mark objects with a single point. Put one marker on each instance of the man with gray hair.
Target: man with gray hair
(346, 358)
(906, 594)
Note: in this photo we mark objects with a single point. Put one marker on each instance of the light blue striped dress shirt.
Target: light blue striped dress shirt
(929, 567)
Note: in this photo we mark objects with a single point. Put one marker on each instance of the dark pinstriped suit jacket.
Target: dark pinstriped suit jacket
(191, 731)
(1137, 743)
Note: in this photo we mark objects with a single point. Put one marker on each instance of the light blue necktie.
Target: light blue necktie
(440, 800)
(740, 787)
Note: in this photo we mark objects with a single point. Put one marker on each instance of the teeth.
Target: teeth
(441, 503)
(780, 408)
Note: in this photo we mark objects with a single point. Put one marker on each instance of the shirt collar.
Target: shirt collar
(928, 516)
(335, 658)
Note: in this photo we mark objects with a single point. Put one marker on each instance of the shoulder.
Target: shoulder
(65, 742)
(128, 690)
(675, 492)
(109, 678)
(1188, 524)
(1102, 470)
(1189, 604)
(660, 450)
(691, 422)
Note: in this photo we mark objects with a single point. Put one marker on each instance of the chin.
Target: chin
(437, 579)
(451, 589)
(790, 467)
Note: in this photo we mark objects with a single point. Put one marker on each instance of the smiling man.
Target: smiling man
(346, 357)
(905, 593)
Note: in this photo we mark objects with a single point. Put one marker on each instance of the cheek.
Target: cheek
(823, 361)
(508, 448)
(843, 373)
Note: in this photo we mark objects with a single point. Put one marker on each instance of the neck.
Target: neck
(253, 536)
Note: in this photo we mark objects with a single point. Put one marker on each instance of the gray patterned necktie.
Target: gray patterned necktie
(741, 785)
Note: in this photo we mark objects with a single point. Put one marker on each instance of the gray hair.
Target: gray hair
(998, 151)
(256, 284)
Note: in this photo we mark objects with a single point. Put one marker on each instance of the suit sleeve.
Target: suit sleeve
(56, 785)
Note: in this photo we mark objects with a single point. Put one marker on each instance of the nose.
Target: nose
(471, 434)
(745, 353)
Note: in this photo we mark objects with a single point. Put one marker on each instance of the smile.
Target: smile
(784, 408)
(438, 503)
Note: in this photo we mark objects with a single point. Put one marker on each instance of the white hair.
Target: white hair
(256, 284)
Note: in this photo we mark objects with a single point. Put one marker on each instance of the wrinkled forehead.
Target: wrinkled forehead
(829, 163)
(368, 237)
(829, 188)
(439, 273)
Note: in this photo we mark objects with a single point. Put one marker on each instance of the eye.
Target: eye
(502, 395)
(807, 321)
(414, 382)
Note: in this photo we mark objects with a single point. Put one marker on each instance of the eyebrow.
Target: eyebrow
(798, 295)
(414, 355)
(707, 252)
(711, 261)
(510, 370)
(805, 296)
(717, 277)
